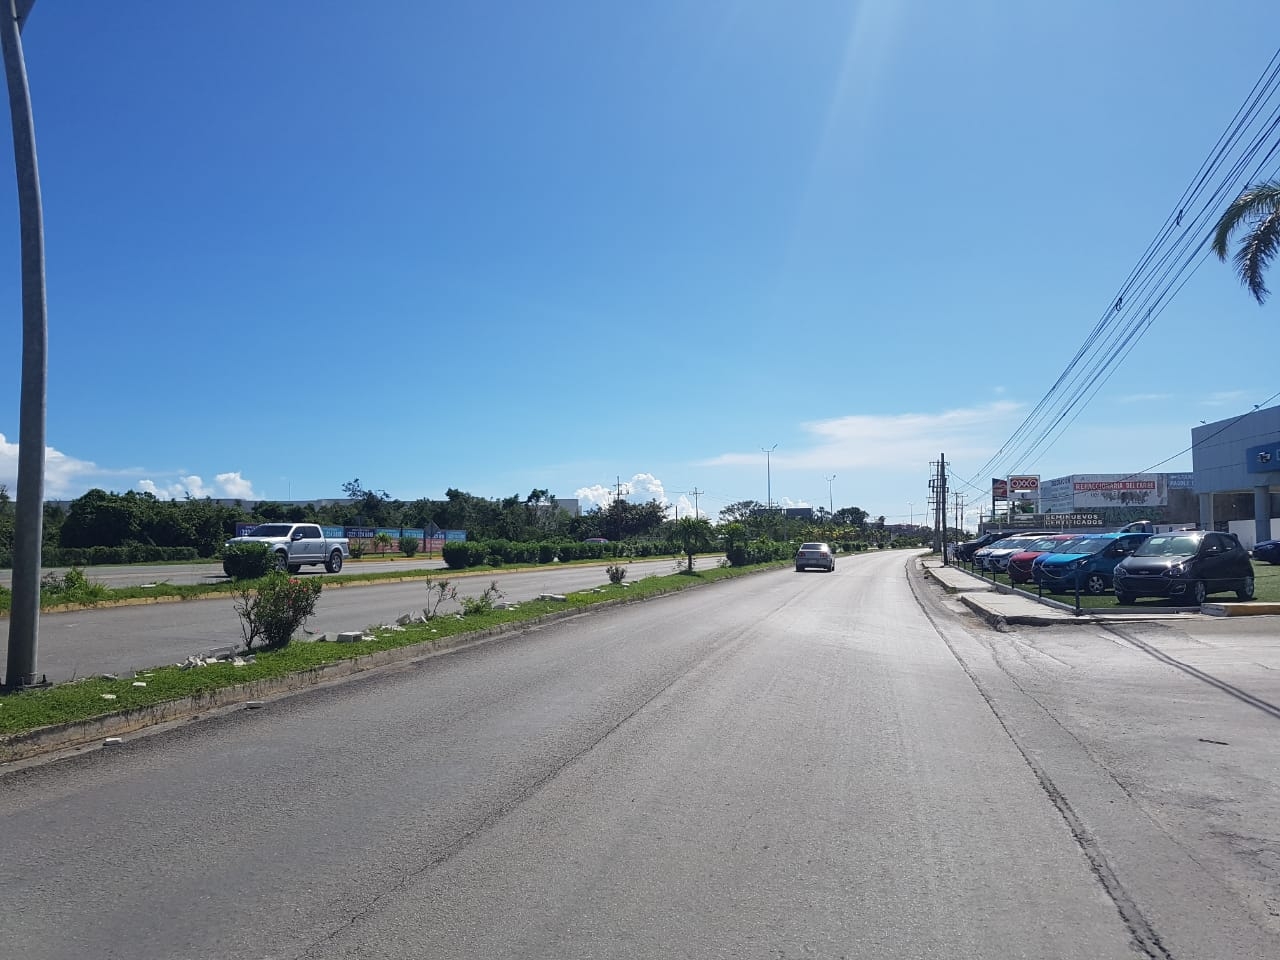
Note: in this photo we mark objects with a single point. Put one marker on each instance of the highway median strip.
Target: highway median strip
(78, 708)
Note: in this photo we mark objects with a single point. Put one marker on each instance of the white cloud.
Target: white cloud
(888, 442)
(1223, 397)
(1144, 397)
(641, 488)
(226, 486)
(64, 476)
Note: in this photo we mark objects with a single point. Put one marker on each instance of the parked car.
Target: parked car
(815, 555)
(1019, 566)
(1268, 551)
(996, 557)
(1086, 564)
(966, 550)
(1185, 566)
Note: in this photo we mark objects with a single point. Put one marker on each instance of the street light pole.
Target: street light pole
(768, 473)
(830, 503)
(24, 616)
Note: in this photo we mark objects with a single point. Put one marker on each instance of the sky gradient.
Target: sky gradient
(504, 246)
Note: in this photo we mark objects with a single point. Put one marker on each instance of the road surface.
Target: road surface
(782, 766)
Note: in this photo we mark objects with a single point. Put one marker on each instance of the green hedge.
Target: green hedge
(125, 553)
(763, 550)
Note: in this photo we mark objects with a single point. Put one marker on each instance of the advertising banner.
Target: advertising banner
(1057, 495)
(1024, 484)
(1094, 491)
(999, 489)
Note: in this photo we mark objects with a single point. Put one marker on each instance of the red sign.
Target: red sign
(999, 489)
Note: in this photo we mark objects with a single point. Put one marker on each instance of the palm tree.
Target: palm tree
(1258, 206)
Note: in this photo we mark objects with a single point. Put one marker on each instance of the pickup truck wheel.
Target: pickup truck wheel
(282, 561)
(334, 563)
(295, 567)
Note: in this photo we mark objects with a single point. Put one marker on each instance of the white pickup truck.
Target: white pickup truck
(299, 544)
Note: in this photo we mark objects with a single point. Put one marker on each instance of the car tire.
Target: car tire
(1125, 599)
(1246, 591)
(294, 568)
(227, 570)
(334, 563)
(799, 569)
(1198, 593)
(282, 561)
(1095, 584)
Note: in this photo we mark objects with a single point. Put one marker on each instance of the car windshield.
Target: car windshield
(1044, 545)
(1085, 545)
(271, 530)
(1170, 546)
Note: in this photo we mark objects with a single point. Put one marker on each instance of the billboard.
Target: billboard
(999, 489)
(1024, 484)
(1094, 491)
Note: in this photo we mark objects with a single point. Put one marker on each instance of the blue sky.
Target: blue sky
(499, 246)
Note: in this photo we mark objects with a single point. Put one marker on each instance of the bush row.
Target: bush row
(763, 550)
(125, 553)
(460, 554)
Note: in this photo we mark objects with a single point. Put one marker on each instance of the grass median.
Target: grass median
(96, 697)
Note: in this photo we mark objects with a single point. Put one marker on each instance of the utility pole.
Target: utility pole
(959, 507)
(830, 503)
(28, 531)
(695, 493)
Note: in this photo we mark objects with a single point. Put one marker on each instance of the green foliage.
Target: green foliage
(617, 572)
(472, 606)
(247, 561)
(692, 535)
(276, 609)
(546, 552)
(761, 550)
(382, 542)
(438, 591)
(357, 548)
(409, 545)
(71, 587)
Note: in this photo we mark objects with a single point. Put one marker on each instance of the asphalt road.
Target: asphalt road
(785, 766)
(121, 639)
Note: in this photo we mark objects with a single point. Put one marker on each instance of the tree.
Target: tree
(1258, 208)
(741, 511)
(692, 535)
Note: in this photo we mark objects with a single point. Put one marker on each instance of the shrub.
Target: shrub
(482, 603)
(617, 572)
(71, 587)
(456, 554)
(409, 545)
(357, 548)
(546, 552)
(247, 561)
(271, 614)
(438, 591)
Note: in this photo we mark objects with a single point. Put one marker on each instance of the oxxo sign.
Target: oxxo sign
(1024, 484)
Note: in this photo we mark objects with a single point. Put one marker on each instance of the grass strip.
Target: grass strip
(98, 595)
(84, 699)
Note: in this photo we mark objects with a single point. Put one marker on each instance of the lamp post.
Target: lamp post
(768, 474)
(830, 503)
(911, 512)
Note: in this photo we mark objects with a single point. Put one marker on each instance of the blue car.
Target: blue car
(1089, 565)
(1268, 551)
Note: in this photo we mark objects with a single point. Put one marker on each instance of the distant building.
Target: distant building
(1237, 474)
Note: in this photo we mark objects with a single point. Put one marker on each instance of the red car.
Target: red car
(1020, 563)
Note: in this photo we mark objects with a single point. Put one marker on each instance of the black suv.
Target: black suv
(1186, 566)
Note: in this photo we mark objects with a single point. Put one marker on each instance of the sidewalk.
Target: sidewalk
(999, 605)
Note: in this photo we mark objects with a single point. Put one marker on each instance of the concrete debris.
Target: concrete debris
(404, 619)
(254, 704)
(108, 676)
(350, 636)
(108, 696)
(139, 683)
(237, 661)
(112, 741)
(551, 596)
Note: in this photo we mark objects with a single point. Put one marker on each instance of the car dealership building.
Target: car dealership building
(1236, 467)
